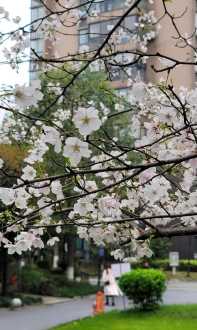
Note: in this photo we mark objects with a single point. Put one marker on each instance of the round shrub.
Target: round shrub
(32, 280)
(144, 287)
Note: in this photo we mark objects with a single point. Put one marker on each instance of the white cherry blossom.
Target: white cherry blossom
(52, 241)
(75, 149)
(84, 206)
(1, 163)
(7, 195)
(56, 188)
(26, 96)
(29, 173)
(87, 120)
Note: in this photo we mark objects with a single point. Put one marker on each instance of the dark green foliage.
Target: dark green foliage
(36, 281)
(160, 247)
(5, 301)
(32, 280)
(73, 289)
(144, 287)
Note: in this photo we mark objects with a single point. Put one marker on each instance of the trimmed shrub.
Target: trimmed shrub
(30, 300)
(164, 264)
(5, 301)
(74, 289)
(144, 287)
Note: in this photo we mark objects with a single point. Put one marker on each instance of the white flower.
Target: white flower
(24, 242)
(138, 92)
(11, 248)
(17, 19)
(1, 163)
(75, 149)
(87, 120)
(52, 136)
(22, 246)
(29, 173)
(45, 207)
(37, 153)
(56, 188)
(26, 96)
(52, 241)
(82, 232)
(83, 206)
(58, 229)
(38, 243)
(21, 198)
(7, 195)
(88, 185)
(118, 254)
(109, 206)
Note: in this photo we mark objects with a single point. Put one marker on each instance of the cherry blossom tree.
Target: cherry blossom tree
(125, 191)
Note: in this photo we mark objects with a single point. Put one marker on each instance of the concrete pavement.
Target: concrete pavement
(180, 292)
(43, 317)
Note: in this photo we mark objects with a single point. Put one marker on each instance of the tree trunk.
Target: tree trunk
(71, 257)
(55, 257)
(4, 264)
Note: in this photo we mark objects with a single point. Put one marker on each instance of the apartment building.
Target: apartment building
(37, 41)
(97, 19)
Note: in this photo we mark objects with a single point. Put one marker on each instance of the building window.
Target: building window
(34, 70)
(83, 37)
(36, 3)
(98, 6)
(113, 4)
(116, 72)
(37, 45)
(129, 22)
(101, 6)
(101, 29)
(95, 30)
(34, 75)
(37, 12)
(33, 66)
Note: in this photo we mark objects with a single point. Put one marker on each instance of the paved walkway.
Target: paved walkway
(43, 317)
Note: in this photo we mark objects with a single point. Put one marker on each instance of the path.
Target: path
(43, 317)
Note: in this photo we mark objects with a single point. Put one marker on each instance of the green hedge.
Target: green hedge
(164, 264)
(144, 287)
(37, 281)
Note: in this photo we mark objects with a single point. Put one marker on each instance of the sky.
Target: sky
(15, 8)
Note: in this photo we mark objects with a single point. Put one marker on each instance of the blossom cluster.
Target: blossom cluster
(117, 174)
(113, 197)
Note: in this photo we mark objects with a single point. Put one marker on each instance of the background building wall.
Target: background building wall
(169, 44)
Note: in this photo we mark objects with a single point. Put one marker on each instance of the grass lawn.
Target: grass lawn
(182, 317)
(182, 276)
